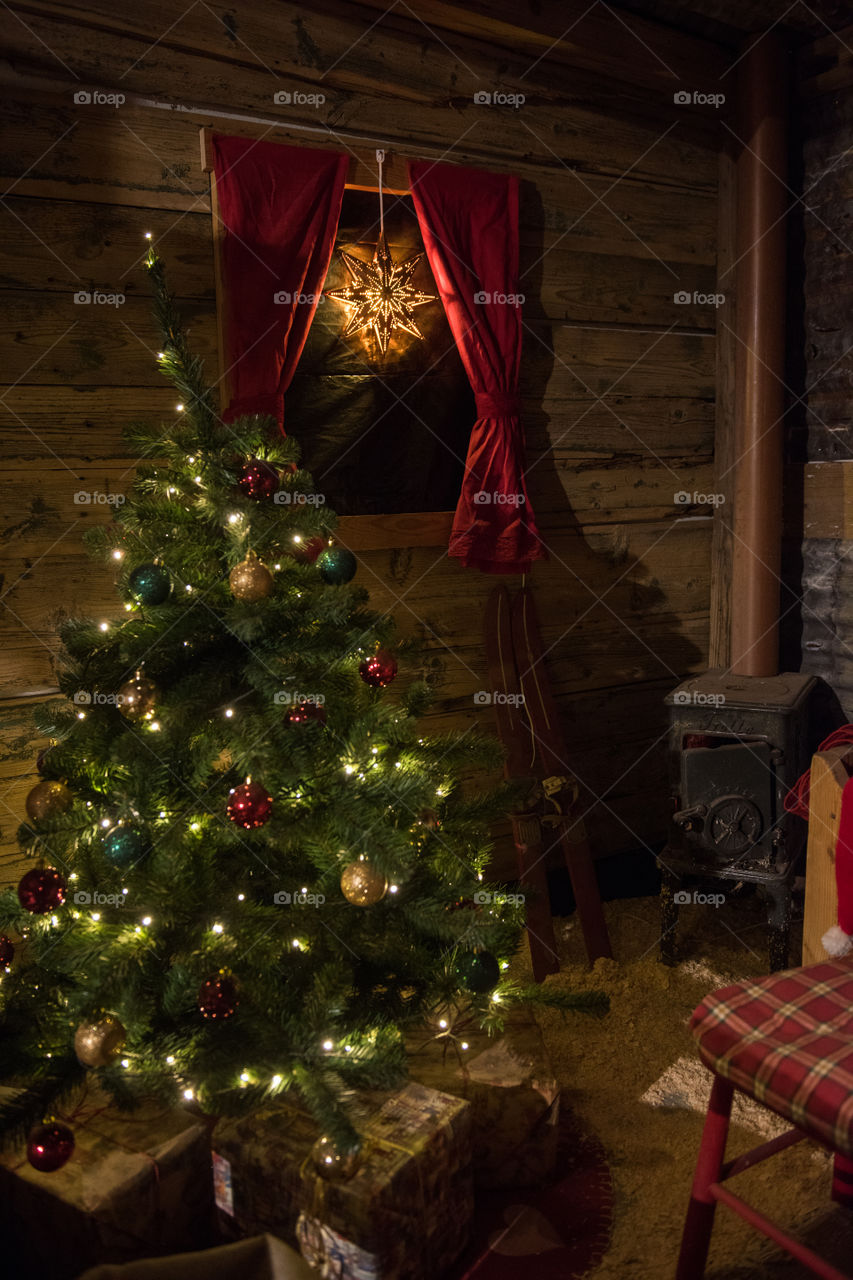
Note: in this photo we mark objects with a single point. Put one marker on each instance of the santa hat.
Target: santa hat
(838, 940)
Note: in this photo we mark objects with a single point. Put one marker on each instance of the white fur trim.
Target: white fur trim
(836, 942)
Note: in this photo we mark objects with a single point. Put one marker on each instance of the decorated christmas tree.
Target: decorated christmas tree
(251, 868)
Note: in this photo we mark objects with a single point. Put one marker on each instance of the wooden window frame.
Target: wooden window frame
(359, 533)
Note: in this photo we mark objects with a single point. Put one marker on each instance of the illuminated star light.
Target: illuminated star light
(380, 295)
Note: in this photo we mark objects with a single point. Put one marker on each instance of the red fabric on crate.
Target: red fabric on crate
(280, 208)
(469, 222)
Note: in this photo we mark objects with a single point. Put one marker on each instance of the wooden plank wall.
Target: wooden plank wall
(619, 214)
(826, 88)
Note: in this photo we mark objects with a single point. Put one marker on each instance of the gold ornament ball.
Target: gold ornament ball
(362, 884)
(250, 580)
(137, 698)
(334, 1163)
(97, 1044)
(47, 799)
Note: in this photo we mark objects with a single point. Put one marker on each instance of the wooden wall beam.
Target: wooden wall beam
(828, 500)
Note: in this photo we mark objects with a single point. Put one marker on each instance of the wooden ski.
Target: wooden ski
(536, 750)
(520, 764)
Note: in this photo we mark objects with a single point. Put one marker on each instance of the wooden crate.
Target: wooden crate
(830, 771)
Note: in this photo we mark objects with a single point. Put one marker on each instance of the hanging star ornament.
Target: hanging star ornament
(380, 295)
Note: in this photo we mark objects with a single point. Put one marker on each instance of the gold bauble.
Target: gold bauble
(137, 698)
(97, 1044)
(334, 1163)
(250, 580)
(362, 884)
(47, 799)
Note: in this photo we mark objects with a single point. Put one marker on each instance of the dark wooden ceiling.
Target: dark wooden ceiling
(728, 20)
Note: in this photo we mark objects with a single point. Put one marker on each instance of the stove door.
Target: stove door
(734, 788)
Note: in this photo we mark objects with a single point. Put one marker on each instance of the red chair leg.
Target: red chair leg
(700, 1212)
(842, 1180)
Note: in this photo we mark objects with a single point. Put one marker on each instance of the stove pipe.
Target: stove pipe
(762, 203)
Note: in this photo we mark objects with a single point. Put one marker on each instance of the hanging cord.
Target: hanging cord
(797, 799)
(380, 160)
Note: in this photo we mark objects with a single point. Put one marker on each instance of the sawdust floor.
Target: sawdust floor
(634, 1079)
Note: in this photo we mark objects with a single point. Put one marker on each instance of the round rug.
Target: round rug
(557, 1232)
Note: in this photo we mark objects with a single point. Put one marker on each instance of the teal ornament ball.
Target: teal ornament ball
(150, 584)
(125, 844)
(478, 972)
(337, 566)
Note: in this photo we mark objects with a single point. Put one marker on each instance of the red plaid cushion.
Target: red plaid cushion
(787, 1040)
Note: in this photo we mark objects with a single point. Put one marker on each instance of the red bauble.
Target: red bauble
(41, 890)
(379, 669)
(217, 997)
(307, 550)
(249, 805)
(306, 713)
(258, 480)
(7, 951)
(50, 1146)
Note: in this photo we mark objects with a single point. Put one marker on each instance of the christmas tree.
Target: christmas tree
(251, 869)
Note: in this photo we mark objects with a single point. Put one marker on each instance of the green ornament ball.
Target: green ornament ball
(150, 584)
(125, 844)
(478, 972)
(337, 566)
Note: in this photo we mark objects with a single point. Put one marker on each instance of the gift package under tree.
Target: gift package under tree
(251, 868)
(138, 1186)
(398, 1208)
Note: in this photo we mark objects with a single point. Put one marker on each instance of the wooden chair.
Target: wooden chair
(786, 1041)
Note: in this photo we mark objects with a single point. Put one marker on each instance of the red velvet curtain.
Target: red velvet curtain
(280, 208)
(469, 222)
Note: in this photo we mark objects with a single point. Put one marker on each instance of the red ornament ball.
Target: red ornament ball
(217, 997)
(250, 805)
(7, 951)
(379, 669)
(41, 890)
(306, 713)
(50, 1146)
(306, 550)
(258, 480)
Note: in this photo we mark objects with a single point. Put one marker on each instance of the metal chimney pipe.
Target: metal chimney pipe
(762, 203)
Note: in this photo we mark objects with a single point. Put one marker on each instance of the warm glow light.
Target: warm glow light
(217, 928)
(118, 555)
(147, 235)
(105, 822)
(194, 826)
(241, 897)
(348, 768)
(234, 517)
(170, 1060)
(146, 920)
(189, 1095)
(464, 1044)
(393, 888)
(104, 626)
(125, 1062)
(96, 915)
(229, 711)
(180, 408)
(327, 1045)
(154, 726)
(275, 1082)
(380, 296)
(245, 1077)
(81, 715)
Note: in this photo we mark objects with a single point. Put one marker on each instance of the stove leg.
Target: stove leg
(778, 900)
(669, 886)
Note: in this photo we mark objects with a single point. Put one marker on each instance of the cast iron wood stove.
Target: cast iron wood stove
(736, 744)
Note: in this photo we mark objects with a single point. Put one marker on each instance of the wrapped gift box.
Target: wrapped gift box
(510, 1084)
(403, 1215)
(138, 1184)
